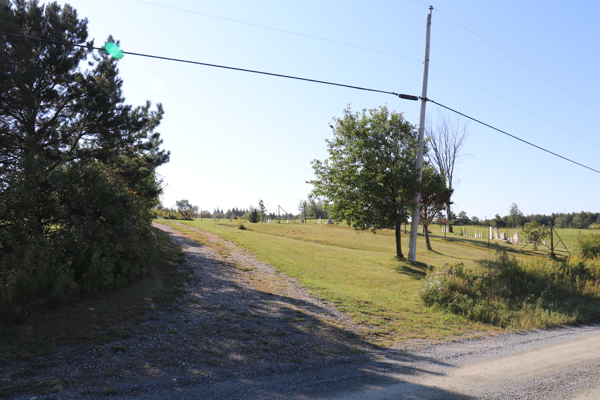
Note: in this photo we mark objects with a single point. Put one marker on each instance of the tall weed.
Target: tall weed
(518, 294)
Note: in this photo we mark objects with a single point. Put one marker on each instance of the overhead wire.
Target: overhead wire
(516, 106)
(309, 80)
(512, 136)
(278, 30)
(213, 65)
(518, 61)
(393, 54)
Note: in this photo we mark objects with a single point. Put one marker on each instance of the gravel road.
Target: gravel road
(559, 363)
(238, 293)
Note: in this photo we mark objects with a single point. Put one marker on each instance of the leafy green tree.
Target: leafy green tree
(498, 222)
(317, 208)
(534, 233)
(434, 198)
(370, 177)
(515, 216)
(580, 221)
(77, 164)
(463, 219)
(302, 208)
(186, 209)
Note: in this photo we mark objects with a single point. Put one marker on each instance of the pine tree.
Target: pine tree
(77, 165)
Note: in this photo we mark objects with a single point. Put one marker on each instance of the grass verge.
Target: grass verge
(519, 294)
(358, 273)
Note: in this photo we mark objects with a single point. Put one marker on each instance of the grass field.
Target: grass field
(360, 274)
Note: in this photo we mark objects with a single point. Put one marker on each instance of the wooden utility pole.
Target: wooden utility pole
(412, 246)
(552, 255)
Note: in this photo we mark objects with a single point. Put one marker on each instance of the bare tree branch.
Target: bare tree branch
(446, 139)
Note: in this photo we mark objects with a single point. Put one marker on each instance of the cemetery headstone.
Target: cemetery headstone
(516, 239)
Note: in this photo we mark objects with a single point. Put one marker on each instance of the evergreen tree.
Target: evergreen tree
(77, 165)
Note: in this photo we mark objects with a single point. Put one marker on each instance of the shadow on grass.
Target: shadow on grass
(415, 269)
(495, 245)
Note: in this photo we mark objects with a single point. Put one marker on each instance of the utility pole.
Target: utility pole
(552, 255)
(412, 247)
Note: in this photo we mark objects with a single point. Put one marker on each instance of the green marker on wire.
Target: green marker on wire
(114, 50)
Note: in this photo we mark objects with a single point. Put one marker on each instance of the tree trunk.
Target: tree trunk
(398, 238)
(448, 213)
(425, 231)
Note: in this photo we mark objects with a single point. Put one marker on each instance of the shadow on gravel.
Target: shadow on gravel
(250, 344)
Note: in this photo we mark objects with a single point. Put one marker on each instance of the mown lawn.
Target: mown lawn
(360, 274)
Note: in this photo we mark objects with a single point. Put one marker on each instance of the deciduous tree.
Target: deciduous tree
(370, 177)
(446, 140)
(434, 197)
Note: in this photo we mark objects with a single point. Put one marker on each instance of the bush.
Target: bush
(588, 246)
(253, 216)
(518, 294)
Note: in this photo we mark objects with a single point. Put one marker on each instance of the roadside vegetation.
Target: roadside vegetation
(77, 166)
(461, 288)
(518, 294)
(102, 318)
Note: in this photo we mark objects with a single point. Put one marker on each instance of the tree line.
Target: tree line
(515, 218)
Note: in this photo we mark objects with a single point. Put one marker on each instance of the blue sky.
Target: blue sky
(236, 137)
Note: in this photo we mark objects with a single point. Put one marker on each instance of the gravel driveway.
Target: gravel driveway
(243, 331)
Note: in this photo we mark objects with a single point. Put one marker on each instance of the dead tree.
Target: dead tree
(446, 139)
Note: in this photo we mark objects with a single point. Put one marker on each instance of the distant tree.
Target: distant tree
(563, 221)
(317, 208)
(534, 233)
(186, 209)
(434, 198)
(261, 211)
(475, 220)
(252, 215)
(302, 206)
(580, 221)
(370, 177)
(498, 222)
(515, 216)
(446, 140)
(463, 219)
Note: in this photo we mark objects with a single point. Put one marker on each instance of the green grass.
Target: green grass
(568, 236)
(359, 273)
(101, 319)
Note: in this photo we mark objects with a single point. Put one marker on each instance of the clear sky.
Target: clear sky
(236, 137)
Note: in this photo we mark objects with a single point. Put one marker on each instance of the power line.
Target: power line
(512, 136)
(278, 30)
(517, 61)
(408, 97)
(403, 96)
(517, 107)
(384, 52)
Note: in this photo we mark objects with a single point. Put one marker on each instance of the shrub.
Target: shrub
(513, 293)
(588, 246)
(253, 216)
